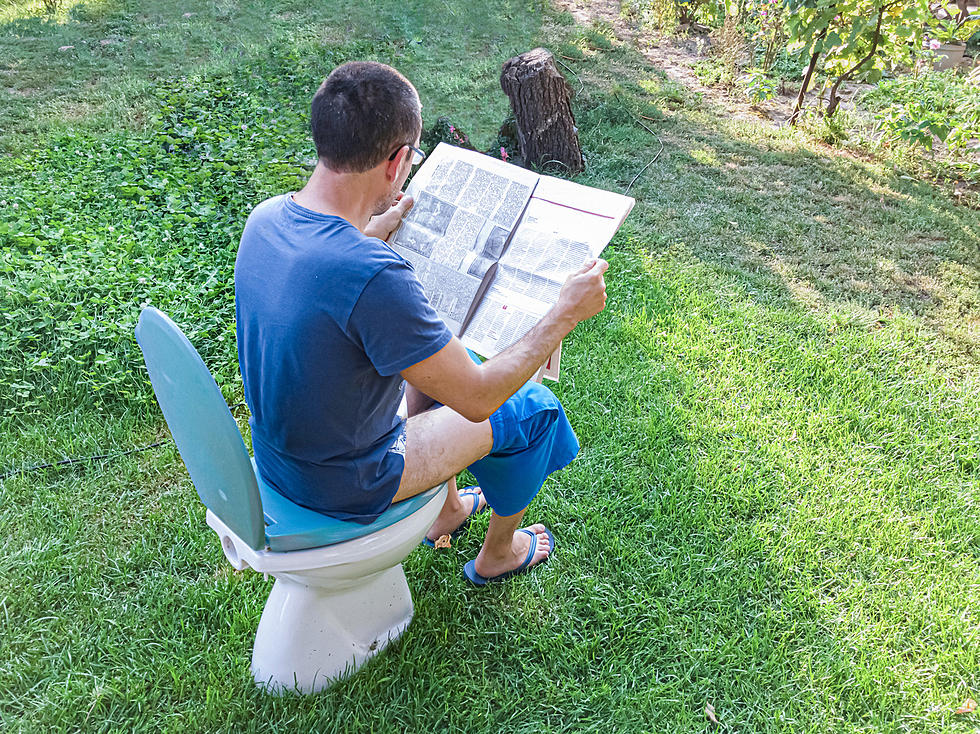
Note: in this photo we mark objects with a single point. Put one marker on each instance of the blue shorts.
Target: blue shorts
(531, 439)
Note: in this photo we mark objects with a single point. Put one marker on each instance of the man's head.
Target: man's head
(361, 114)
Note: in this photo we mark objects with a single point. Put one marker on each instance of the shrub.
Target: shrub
(931, 105)
(854, 38)
(758, 85)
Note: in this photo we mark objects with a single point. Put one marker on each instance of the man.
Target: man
(332, 323)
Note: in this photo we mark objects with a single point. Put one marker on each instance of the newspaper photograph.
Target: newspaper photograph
(450, 292)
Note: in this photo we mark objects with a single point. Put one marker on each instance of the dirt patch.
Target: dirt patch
(676, 57)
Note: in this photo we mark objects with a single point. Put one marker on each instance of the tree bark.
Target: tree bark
(806, 83)
(963, 7)
(541, 100)
(833, 101)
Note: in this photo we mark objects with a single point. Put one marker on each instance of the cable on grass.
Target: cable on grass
(577, 77)
(90, 459)
(81, 460)
(560, 163)
(652, 160)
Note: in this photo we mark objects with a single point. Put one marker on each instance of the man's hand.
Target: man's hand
(584, 293)
(475, 391)
(382, 225)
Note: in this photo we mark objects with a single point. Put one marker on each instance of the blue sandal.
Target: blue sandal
(465, 524)
(469, 570)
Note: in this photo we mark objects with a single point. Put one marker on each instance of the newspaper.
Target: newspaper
(466, 208)
(493, 243)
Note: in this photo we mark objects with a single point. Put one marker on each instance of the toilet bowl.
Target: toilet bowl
(331, 608)
(340, 595)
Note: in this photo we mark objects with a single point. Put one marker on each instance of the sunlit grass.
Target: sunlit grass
(54, 10)
(775, 509)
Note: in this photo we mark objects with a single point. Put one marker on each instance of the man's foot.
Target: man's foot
(451, 521)
(518, 556)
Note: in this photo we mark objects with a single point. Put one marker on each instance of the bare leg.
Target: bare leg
(455, 511)
(438, 445)
(441, 443)
(505, 549)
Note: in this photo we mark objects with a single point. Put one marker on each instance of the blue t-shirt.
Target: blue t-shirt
(326, 319)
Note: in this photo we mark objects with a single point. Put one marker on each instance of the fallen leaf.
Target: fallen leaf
(968, 707)
(445, 541)
(709, 711)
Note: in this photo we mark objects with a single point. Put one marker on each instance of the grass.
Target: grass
(775, 508)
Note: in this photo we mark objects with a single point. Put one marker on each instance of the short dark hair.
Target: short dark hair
(361, 113)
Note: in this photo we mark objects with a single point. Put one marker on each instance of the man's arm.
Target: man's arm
(475, 391)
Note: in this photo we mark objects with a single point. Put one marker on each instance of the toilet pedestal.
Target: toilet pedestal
(311, 635)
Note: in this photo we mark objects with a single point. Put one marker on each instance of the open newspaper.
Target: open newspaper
(493, 243)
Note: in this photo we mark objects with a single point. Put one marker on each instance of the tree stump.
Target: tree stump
(541, 100)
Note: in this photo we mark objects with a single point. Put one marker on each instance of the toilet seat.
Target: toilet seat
(359, 549)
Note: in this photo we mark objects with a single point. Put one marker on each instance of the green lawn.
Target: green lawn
(776, 505)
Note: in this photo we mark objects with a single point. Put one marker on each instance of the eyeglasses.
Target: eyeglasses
(417, 155)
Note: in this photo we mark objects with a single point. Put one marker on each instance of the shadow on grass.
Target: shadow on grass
(816, 226)
(807, 420)
(772, 510)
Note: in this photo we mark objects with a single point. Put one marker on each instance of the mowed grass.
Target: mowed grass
(775, 507)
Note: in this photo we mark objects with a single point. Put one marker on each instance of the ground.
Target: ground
(775, 510)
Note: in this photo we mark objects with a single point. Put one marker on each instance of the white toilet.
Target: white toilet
(340, 594)
(334, 607)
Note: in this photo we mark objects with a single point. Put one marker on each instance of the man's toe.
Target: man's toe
(542, 548)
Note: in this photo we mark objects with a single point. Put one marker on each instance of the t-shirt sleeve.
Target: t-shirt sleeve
(394, 322)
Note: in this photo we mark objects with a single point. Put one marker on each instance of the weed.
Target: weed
(928, 106)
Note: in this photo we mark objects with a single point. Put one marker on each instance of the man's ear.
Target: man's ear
(393, 166)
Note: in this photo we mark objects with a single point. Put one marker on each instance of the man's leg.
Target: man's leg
(504, 549)
(441, 443)
(455, 510)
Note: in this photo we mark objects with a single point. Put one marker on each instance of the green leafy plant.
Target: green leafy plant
(933, 106)
(852, 38)
(758, 85)
(703, 12)
(954, 28)
(712, 72)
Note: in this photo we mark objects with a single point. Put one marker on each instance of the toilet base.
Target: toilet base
(310, 636)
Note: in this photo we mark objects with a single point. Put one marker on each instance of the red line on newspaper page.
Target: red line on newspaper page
(584, 211)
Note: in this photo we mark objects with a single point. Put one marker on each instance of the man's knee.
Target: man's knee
(531, 439)
(528, 417)
(542, 400)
